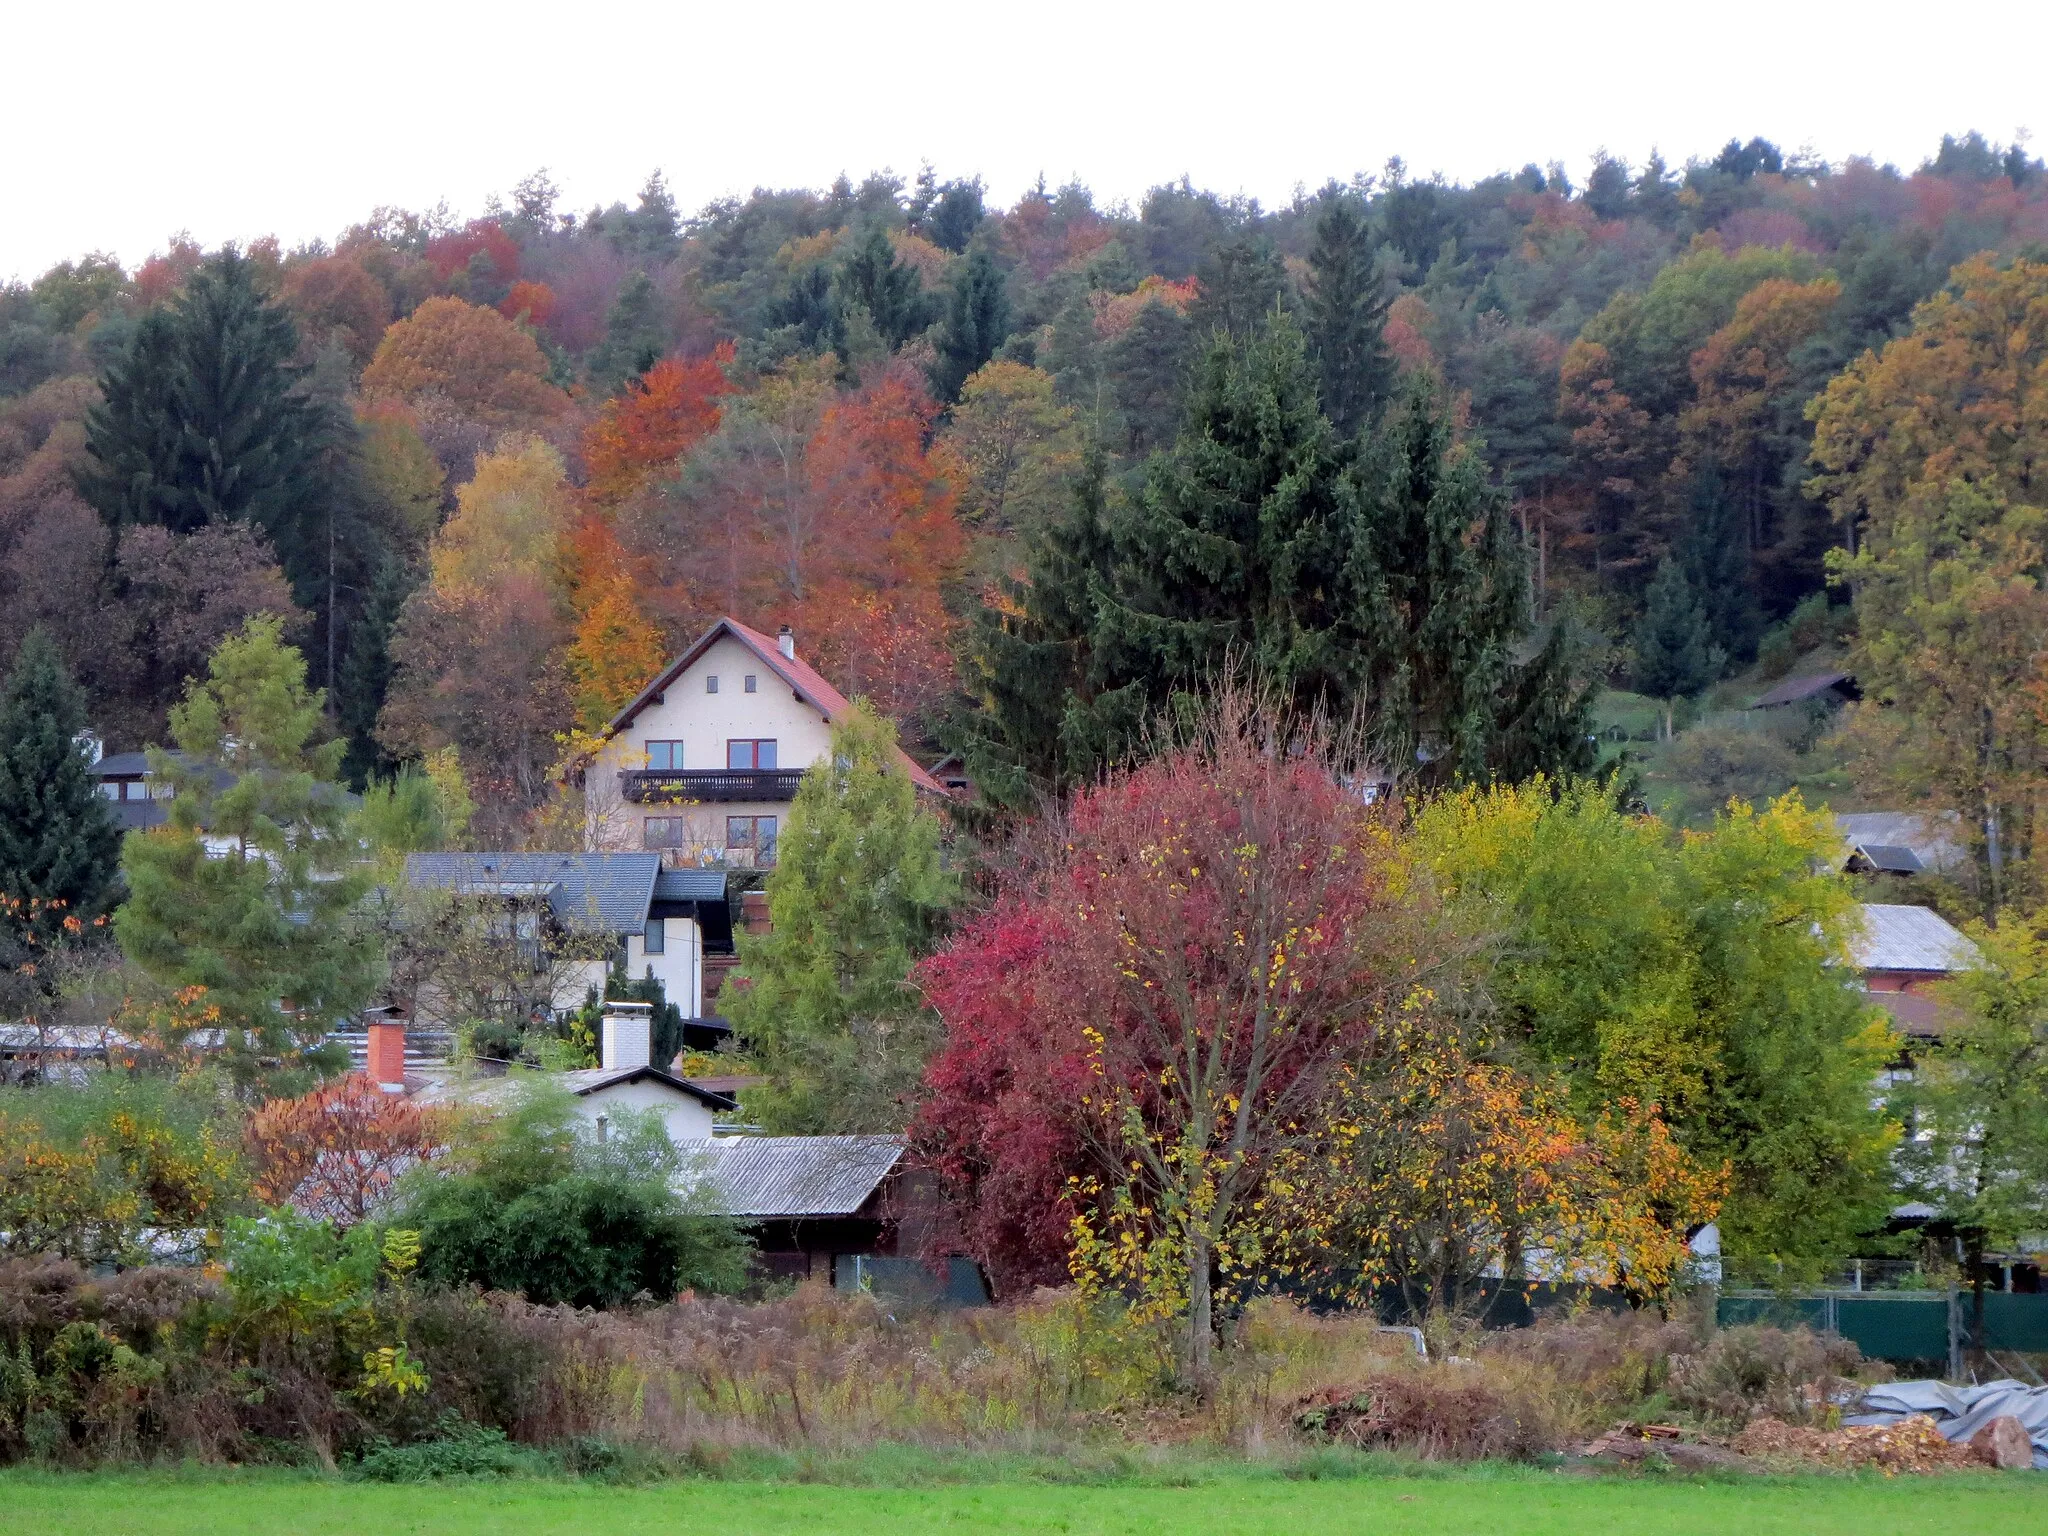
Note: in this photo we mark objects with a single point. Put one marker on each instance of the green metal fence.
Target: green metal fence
(1904, 1325)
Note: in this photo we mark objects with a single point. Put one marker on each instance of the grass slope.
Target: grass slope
(1525, 1502)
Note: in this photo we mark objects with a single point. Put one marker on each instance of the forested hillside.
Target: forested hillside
(491, 470)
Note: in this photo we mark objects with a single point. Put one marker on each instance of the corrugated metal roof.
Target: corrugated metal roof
(1892, 858)
(1909, 939)
(607, 891)
(769, 1177)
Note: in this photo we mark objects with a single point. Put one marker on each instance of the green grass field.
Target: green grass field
(1486, 1500)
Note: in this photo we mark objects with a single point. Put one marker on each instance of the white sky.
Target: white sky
(125, 122)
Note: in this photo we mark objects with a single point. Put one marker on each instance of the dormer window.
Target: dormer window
(711, 683)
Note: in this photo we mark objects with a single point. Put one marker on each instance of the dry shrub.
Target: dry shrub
(1790, 1374)
(1440, 1413)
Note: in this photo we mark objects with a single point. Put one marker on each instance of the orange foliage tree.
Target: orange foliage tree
(662, 414)
(476, 359)
(334, 1153)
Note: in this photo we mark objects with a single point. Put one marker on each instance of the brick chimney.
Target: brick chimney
(628, 1036)
(386, 1064)
(785, 642)
(754, 912)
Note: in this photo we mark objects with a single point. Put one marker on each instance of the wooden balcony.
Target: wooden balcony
(658, 786)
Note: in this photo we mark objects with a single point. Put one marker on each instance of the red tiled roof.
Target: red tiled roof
(804, 679)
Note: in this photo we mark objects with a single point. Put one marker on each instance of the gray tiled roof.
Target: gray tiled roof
(690, 885)
(607, 891)
(1909, 939)
(1933, 837)
(769, 1177)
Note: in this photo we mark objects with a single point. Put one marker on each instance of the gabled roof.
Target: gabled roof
(801, 677)
(1795, 689)
(1890, 858)
(1894, 938)
(1930, 836)
(588, 1080)
(781, 1177)
(610, 892)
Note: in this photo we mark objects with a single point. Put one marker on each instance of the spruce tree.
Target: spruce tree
(636, 335)
(977, 320)
(1243, 282)
(201, 419)
(1716, 557)
(1675, 654)
(890, 290)
(59, 847)
(858, 891)
(1346, 315)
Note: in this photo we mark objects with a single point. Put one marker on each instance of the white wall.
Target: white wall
(687, 1118)
(704, 723)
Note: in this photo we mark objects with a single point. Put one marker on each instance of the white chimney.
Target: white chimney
(785, 642)
(628, 1035)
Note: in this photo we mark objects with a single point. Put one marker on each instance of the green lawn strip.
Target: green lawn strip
(1495, 1500)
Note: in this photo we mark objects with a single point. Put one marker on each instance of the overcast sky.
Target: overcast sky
(126, 122)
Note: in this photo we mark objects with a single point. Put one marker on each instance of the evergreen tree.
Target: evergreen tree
(200, 420)
(269, 929)
(1346, 315)
(823, 999)
(1716, 558)
(957, 215)
(1243, 283)
(1675, 654)
(977, 320)
(58, 841)
(1392, 582)
(636, 335)
(889, 290)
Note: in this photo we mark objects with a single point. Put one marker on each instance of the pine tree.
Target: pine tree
(823, 999)
(269, 929)
(59, 847)
(1675, 654)
(977, 320)
(202, 420)
(1347, 315)
(1389, 581)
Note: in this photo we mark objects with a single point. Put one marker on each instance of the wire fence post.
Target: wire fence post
(1955, 1335)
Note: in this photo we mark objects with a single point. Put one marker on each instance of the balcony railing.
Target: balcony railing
(658, 786)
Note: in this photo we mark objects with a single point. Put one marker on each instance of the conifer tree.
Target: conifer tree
(889, 290)
(977, 320)
(269, 928)
(1243, 283)
(201, 421)
(1675, 654)
(59, 847)
(636, 334)
(1346, 316)
(823, 999)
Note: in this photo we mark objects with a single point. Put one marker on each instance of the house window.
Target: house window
(751, 681)
(663, 832)
(749, 754)
(750, 838)
(111, 788)
(711, 683)
(656, 941)
(665, 756)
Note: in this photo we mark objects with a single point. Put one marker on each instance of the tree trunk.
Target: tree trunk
(1201, 1314)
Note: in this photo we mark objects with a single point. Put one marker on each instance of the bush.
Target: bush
(1793, 1375)
(458, 1449)
(1440, 1413)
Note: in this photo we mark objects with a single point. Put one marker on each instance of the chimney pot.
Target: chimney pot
(386, 1064)
(785, 642)
(628, 1040)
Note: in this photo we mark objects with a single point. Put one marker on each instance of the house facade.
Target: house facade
(702, 766)
(1903, 953)
(665, 921)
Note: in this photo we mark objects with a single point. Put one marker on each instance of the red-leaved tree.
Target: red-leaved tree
(1153, 1013)
(335, 1152)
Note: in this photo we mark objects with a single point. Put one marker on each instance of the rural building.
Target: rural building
(1902, 953)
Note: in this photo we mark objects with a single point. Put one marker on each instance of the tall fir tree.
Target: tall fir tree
(1675, 652)
(823, 999)
(889, 290)
(1716, 555)
(1391, 582)
(59, 848)
(976, 321)
(1243, 283)
(1346, 315)
(201, 419)
(636, 335)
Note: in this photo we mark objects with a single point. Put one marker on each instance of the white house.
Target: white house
(664, 920)
(627, 1080)
(702, 765)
